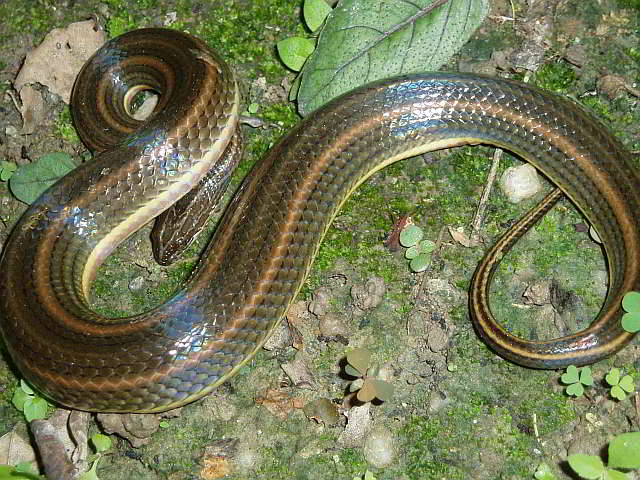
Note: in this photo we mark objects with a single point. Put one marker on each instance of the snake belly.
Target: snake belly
(265, 243)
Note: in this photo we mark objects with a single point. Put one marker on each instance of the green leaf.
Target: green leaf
(349, 370)
(624, 451)
(427, 246)
(585, 376)
(25, 467)
(613, 377)
(361, 42)
(359, 359)
(35, 408)
(617, 392)
(26, 388)
(294, 51)
(90, 474)
(315, 11)
(571, 375)
(356, 385)
(293, 93)
(101, 442)
(383, 390)
(420, 263)
(412, 252)
(575, 389)
(31, 180)
(631, 302)
(7, 169)
(615, 475)
(543, 472)
(7, 472)
(631, 322)
(410, 235)
(19, 398)
(626, 383)
(367, 392)
(587, 466)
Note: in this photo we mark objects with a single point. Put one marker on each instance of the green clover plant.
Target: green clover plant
(620, 385)
(631, 305)
(367, 383)
(30, 403)
(418, 250)
(576, 380)
(101, 443)
(624, 453)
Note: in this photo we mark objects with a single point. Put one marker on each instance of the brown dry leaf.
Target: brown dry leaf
(55, 63)
(216, 467)
(217, 458)
(278, 402)
(462, 238)
(32, 109)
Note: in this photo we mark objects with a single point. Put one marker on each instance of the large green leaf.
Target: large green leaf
(32, 179)
(368, 40)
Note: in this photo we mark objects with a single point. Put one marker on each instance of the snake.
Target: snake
(265, 243)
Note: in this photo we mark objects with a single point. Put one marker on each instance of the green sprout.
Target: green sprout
(624, 453)
(101, 443)
(543, 472)
(22, 471)
(631, 305)
(367, 383)
(367, 476)
(29, 402)
(620, 386)
(575, 379)
(418, 250)
(294, 51)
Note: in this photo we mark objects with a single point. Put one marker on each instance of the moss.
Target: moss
(64, 127)
(556, 77)
(36, 18)
(248, 35)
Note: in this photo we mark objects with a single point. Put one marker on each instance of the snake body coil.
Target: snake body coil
(264, 245)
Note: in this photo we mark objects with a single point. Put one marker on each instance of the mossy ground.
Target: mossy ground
(469, 416)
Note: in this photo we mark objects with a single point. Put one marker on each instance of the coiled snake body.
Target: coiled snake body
(265, 244)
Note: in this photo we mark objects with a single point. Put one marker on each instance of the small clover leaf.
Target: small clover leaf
(575, 389)
(585, 376)
(575, 379)
(358, 359)
(571, 375)
(631, 305)
(620, 385)
(410, 235)
(613, 377)
(420, 262)
(631, 302)
(543, 472)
